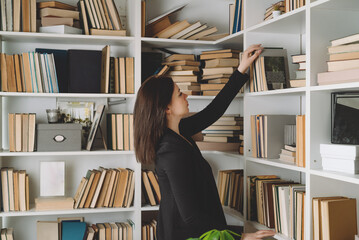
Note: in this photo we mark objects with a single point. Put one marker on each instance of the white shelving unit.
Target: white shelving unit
(305, 30)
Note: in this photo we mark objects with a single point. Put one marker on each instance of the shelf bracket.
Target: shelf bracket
(116, 102)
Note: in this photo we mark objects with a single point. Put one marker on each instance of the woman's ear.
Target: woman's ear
(168, 110)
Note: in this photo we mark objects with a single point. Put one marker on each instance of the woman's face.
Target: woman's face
(179, 103)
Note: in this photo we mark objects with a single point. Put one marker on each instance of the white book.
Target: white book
(62, 29)
(340, 150)
(52, 179)
(283, 193)
(347, 166)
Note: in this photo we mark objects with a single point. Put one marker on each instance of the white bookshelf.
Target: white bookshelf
(305, 30)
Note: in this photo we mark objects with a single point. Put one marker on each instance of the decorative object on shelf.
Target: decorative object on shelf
(52, 179)
(94, 126)
(274, 10)
(340, 158)
(217, 235)
(59, 137)
(52, 115)
(345, 113)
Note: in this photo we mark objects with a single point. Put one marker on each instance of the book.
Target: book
(343, 65)
(53, 203)
(52, 179)
(113, 13)
(130, 78)
(345, 40)
(194, 31)
(298, 58)
(52, 21)
(219, 70)
(343, 56)
(297, 83)
(72, 230)
(344, 48)
(181, 63)
(214, 37)
(219, 55)
(105, 32)
(105, 69)
(186, 30)
(172, 29)
(344, 76)
(95, 125)
(54, 12)
(61, 29)
(203, 33)
(222, 62)
(178, 57)
(81, 78)
(55, 4)
(47, 230)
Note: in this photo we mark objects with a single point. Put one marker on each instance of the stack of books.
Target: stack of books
(76, 228)
(7, 233)
(162, 27)
(226, 134)
(151, 194)
(58, 17)
(279, 6)
(219, 65)
(100, 18)
(343, 64)
(149, 230)
(120, 131)
(22, 132)
(28, 72)
(340, 158)
(288, 153)
(300, 77)
(14, 189)
(184, 71)
(277, 203)
(230, 188)
(267, 132)
(334, 218)
(105, 188)
(54, 203)
(269, 71)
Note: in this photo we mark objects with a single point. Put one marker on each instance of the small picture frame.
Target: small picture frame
(95, 125)
(52, 179)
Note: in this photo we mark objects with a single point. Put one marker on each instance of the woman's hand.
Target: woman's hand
(258, 235)
(248, 57)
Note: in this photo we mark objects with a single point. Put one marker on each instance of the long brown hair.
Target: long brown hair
(149, 116)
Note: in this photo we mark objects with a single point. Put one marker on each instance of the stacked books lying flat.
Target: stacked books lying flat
(269, 71)
(162, 27)
(76, 228)
(340, 158)
(279, 6)
(106, 188)
(150, 188)
(230, 188)
(184, 71)
(28, 72)
(292, 5)
(149, 230)
(300, 77)
(100, 18)
(22, 132)
(57, 17)
(334, 218)
(277, 203)
(15, 190)
(288, 153)
(120, 131)
(343, 64)
(226, 134)
(289, 143)
(16, 18)
(236, 16)
(7, 233)
(219, 65)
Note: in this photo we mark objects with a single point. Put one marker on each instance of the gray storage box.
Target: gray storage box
(59, 137)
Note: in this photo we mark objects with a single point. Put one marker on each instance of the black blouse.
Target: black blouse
(190, 202)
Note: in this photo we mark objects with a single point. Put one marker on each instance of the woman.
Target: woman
(190, 203)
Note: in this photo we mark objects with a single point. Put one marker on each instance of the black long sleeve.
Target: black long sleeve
(190, 203)
(203, 119)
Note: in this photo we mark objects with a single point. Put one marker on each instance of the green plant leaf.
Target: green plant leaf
(227, 235)
(207, 234)
(233, 233)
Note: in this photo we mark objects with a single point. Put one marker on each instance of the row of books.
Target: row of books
(28, 72)
(291, 5)
(18, 15)
(236, 16)
(76, 228)
(149, 230)
(15, 189)
(340, 158)
(276, 203)
(343, 64)
(21, 132)
(120, 131)
(151, 194)
(105, 188)
(231, 188)
(300, 73)
(100, 18)
(7, 233)
(334, 218)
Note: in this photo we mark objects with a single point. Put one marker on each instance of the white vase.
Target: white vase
(276, 13)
